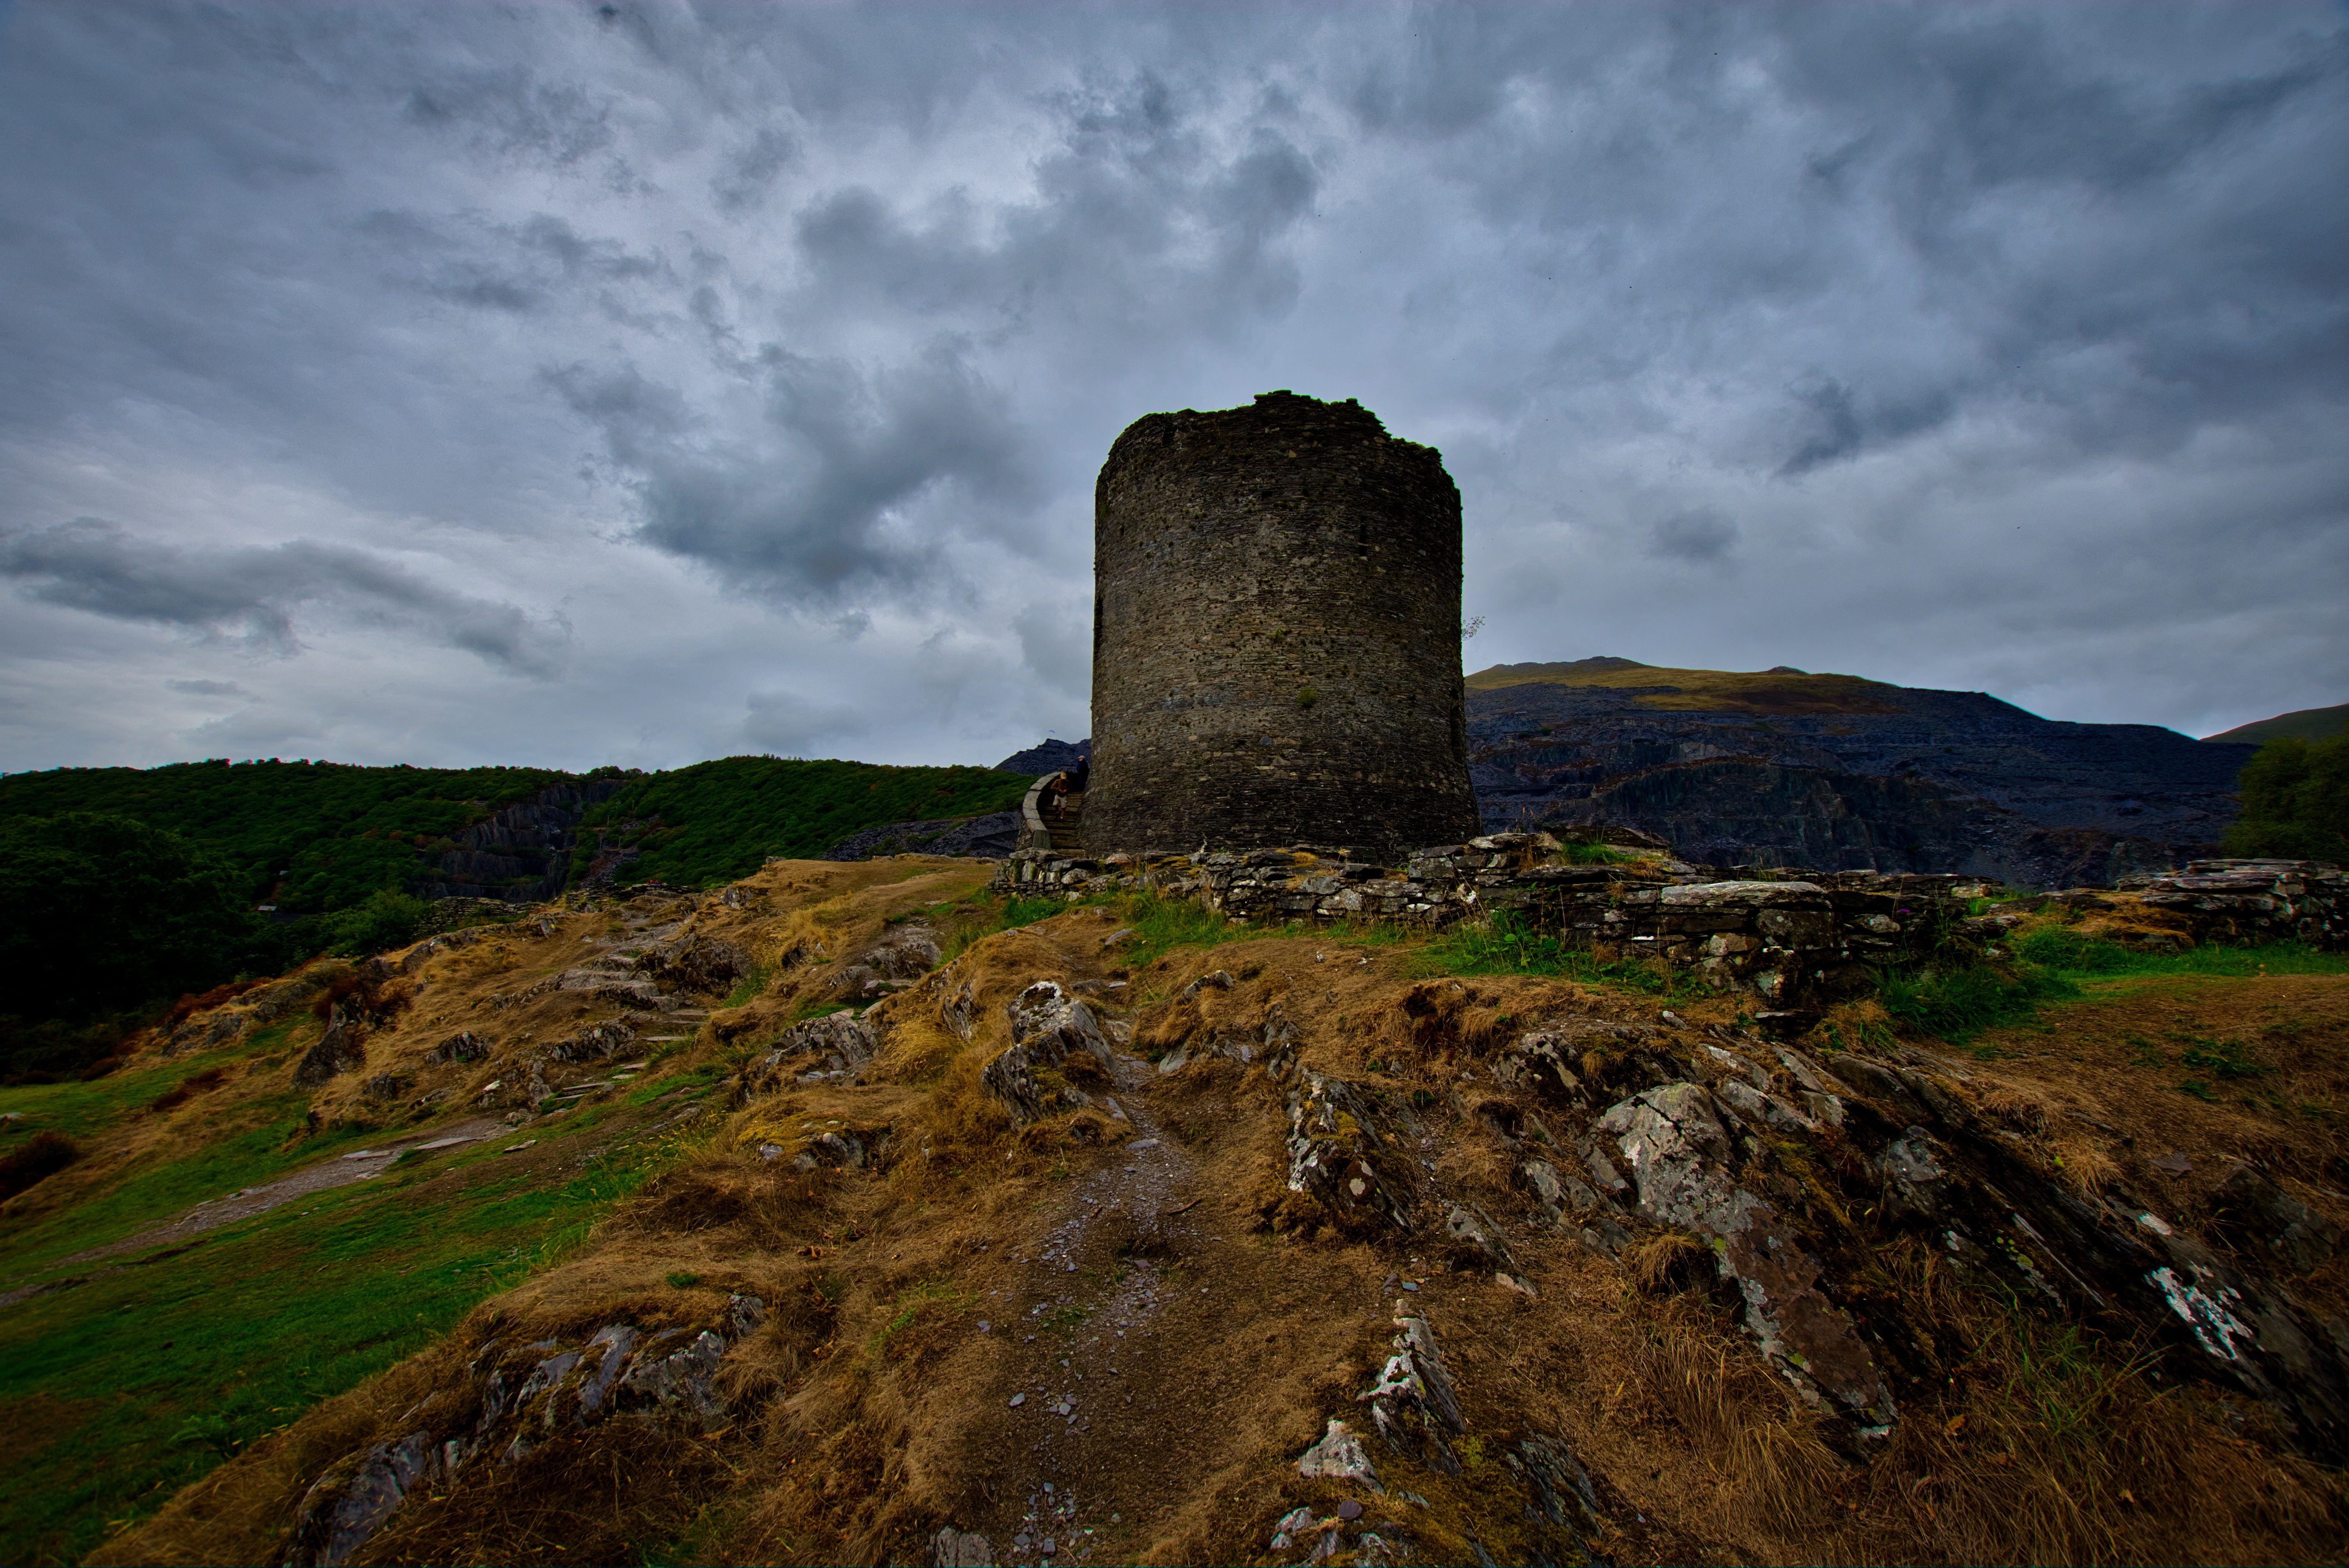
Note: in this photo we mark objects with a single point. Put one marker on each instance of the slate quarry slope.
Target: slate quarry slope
(1893, 778)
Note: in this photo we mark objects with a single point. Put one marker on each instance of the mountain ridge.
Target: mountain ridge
(1837, 772)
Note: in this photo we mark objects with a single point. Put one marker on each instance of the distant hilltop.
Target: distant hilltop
(1837, 772)
(2306, 724)
(1780, 691)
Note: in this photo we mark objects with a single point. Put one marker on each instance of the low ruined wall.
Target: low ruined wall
(2253, 901)
(1787, 942)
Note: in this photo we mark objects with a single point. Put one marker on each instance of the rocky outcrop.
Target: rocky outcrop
(1768, 1158)
(1416, 1414)
(903, 955)
(1414, 1403)
(691, 962)
(647, 971)
(521, 854)
(1681, 1158)
(828, 1050)
(1347, 1153)
(339, 1050)
(1049, 1030)
(516, 1399)
(1906, 780)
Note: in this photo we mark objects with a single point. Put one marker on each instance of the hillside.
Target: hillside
(2302, 724)
(860, 1213)
(1830, 772)
(333, 855)
(691, 827)
(309, 836)
(314, 836)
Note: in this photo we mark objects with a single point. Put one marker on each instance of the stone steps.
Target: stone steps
(1065, 831)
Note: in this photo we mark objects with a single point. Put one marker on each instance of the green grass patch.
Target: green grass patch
(752, 985)
(1507, 945)
(260, 1140)
(1958, 1001)
(78, 1110)
(914, 1302)
(2073, 955)
(2229, 1059)
(1161, 925)
(966, 921)
(155, 1373)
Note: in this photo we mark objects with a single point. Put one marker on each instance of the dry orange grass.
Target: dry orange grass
(872, 1411)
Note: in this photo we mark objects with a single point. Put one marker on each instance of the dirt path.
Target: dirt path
(341, 1171)
(1101, 1283)
(1131, 1390)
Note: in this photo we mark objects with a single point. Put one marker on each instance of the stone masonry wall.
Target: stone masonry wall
(2252, 901)
(1789, 943)
(1805, 938)
(1276, 636)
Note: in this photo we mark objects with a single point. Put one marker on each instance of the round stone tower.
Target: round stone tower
(1276, 636)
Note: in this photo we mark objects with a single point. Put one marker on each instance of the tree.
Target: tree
(386, 920)
(2295, 801)
(101, 913)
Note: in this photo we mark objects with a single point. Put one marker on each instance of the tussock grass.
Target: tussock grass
(2052, 1445)
(1959, 1000)
(1162, 925)
(1508, 944)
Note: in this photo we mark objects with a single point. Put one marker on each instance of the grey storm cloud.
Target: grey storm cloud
(780, 344)
(806, 511)
(253, 594)
(1700, 535)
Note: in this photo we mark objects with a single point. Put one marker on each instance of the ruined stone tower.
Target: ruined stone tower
(1276, 636)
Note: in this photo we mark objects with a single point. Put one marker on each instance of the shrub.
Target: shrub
(41, 1156)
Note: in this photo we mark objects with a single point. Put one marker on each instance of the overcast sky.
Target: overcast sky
(577, 383)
